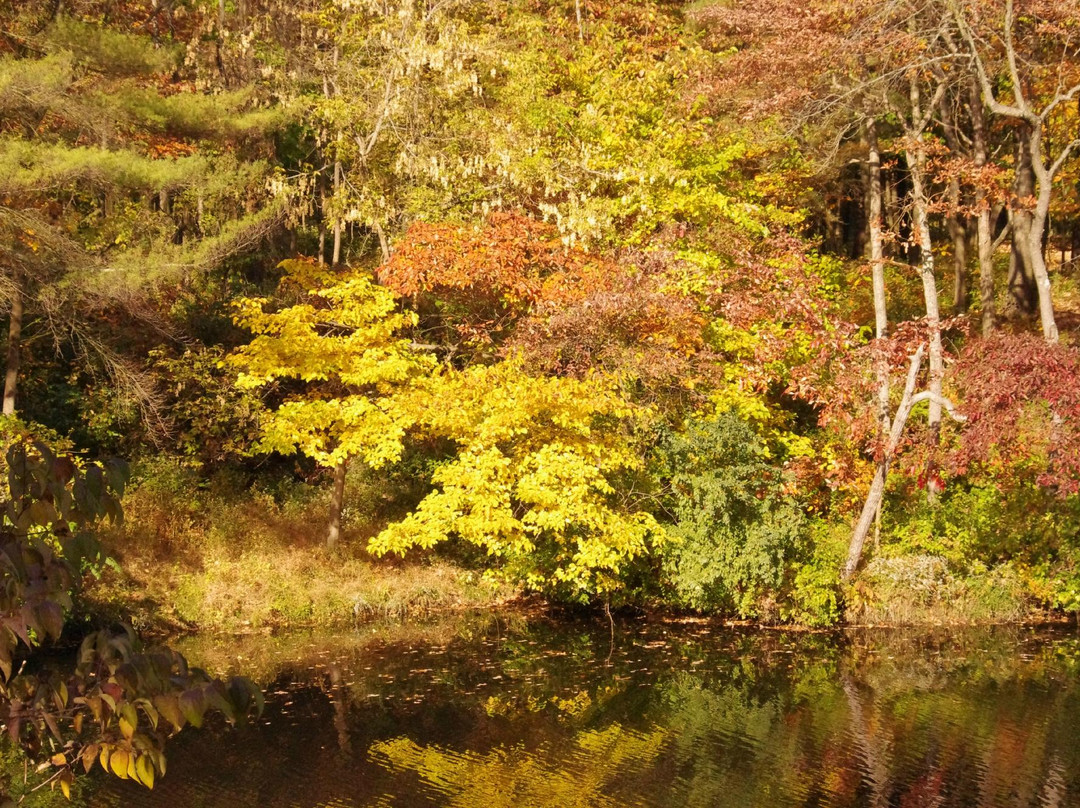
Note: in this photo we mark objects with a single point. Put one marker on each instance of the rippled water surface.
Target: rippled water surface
(484, 712)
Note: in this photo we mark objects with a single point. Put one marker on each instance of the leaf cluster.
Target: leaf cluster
(535, 481)
(342, 340)
(737, 533)
(122, 701)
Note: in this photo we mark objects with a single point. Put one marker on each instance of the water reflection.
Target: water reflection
(478, 713)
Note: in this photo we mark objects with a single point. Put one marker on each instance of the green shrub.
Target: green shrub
(812, 596)
(1021, 526)
(736, 532)
(991, 523)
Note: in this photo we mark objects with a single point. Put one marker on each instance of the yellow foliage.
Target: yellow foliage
(342, 338)
(534, 477)
(533, 480)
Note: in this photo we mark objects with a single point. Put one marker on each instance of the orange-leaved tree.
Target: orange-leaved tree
(471, 284)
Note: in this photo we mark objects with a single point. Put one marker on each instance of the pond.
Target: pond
(496, 711)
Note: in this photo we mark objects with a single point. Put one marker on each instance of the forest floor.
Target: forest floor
(278, 588)
(207, 560)
(278, 580)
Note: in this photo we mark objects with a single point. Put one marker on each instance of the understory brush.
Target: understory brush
(992, 551)
(223, 555)
(237, 552)
(912, 589)
(741, 544)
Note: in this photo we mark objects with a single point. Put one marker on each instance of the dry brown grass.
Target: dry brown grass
(922, 590)
(239, 561)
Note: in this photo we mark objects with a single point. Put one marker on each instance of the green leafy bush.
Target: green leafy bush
(214, 421)
(1019, 525)
(812, 593)
(735, 530)
(988, 522)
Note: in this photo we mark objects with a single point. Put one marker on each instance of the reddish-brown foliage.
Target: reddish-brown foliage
(1022, 400)
(511, 285)
(504, 259)
(773, 290)
(849, 412)
(473, 283)
(807, 58)
(621, 318)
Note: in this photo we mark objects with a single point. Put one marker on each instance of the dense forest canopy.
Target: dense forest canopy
(637, 296)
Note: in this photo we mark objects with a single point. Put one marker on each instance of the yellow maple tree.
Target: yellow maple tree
(343, 338)
(535, 480)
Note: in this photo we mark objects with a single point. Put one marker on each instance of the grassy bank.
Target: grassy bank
(926, 590)
(225, 558)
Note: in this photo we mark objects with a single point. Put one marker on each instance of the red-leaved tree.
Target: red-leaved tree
(1022, 400)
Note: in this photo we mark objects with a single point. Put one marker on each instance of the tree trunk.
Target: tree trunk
(1041, 272)
(11, 377)
(877, 264)
(384, 245)
(877, 487)
(933, 315)
(1032, 173)
(959, 235)
(322, 218)
(1023, 291)
(984, 222)
(337, 502)
(986, 266)
(916, 160)
(337, 217)
(337, 169)
(1035, 248)
(219, 38)
(956, 221)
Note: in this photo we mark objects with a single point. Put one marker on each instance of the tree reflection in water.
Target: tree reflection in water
(471, 713)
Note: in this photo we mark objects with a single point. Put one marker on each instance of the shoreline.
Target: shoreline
(160, 626)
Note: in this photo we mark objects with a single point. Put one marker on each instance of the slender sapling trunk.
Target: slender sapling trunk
(337, 502)
(877, 265)
(14, 346)
(984, 222)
